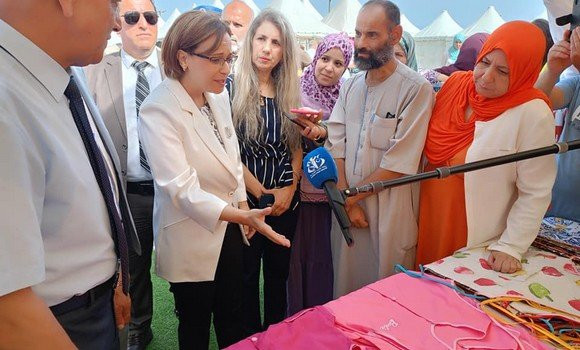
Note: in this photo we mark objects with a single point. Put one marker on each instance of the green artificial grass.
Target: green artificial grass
(164, 322)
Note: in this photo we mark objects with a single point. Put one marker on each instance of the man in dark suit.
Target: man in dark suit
(120, 83)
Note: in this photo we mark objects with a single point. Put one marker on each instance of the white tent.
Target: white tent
(442, 26)
(168, 23)
(218, 4)
(303, 25)
(487, 23)
(408, 26)
(114, 43)
(312, 10)
(433, 41)
(342, 17)
(543, 15)
(160, 23)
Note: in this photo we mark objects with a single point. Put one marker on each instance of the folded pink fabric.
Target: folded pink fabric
(402, 312)
(308, 329)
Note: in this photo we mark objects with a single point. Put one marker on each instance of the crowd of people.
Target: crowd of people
(193, 152)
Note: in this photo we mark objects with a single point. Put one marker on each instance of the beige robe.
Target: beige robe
(370, 127)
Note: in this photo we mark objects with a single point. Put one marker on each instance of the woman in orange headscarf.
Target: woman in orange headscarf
(492, 111)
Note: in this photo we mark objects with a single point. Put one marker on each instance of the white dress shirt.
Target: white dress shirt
(153, 74)
(54, 227)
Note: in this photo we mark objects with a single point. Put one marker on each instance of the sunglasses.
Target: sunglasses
(132, 17)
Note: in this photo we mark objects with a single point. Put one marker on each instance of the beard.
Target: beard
(376, 59)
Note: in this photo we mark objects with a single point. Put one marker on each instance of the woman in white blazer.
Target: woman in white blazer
(187, 134)
(494, 110)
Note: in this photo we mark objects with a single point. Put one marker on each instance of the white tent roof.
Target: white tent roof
(168, 23)
(312, 10)
(342, 17)
(443, 26)
(303, 25)
(543, 15)
(114, 40)
(408, 26)
(218, 4)
(487, 23)
(160, 23)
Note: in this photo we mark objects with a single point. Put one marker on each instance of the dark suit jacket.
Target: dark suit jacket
(105, 81)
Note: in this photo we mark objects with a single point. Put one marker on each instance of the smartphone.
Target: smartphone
(294, 119)
(266, 200)
(304, 110)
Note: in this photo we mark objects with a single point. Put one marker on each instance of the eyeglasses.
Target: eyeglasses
(132, 17)
(218, 61)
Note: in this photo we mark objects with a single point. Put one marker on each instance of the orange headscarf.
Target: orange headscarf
(523, 44)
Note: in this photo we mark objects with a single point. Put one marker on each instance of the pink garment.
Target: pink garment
(401, 312)
(308, 329)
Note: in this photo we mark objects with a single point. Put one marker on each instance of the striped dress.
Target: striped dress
(267, 158)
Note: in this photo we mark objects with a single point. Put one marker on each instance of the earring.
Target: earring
(183, 67)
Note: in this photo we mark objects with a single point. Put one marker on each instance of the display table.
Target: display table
(399, 312)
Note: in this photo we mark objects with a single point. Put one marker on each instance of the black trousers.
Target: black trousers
(141, 289)
(196, 301)
(276, 267)
(92, 327)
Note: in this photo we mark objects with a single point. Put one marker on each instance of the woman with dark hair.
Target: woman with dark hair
(200, 196)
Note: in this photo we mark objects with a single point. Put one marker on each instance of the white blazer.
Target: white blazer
(195, 179)
(505, 204)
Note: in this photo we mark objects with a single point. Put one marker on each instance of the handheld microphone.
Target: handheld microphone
(320, 169)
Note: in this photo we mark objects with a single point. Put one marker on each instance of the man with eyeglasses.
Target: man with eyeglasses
(120, 83)
(64, 218)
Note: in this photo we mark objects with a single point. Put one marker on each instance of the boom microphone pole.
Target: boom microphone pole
(443, 172)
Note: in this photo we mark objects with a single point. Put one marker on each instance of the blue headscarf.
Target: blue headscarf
(453, 51)
(208, 8)
(408, 44)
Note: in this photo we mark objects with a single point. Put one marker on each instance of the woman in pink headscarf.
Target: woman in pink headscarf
(311, 275)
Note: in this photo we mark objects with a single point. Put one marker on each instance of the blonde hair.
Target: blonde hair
(245, 104)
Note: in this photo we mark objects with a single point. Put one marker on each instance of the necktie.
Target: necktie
(141, 91)
(81, 120)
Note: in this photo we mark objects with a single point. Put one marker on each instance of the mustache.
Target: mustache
(361, 50)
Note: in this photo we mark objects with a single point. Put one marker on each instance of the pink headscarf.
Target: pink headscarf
(326, 96)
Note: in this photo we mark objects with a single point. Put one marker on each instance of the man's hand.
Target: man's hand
(357, 216)
(575, 47)
(559, 57)
(122, 304)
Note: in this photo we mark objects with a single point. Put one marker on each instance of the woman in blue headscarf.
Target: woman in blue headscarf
(405, 51)
(453, 51)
